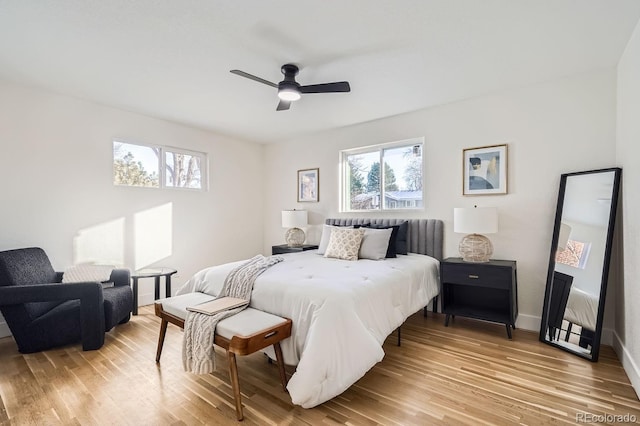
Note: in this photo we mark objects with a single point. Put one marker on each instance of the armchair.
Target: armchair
(42, 312)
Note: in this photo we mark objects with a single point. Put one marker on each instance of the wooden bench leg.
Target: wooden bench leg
(163, 332)
(280, 361)
(235, 383)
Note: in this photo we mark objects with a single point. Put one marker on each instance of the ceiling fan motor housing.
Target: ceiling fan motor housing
(289, 89)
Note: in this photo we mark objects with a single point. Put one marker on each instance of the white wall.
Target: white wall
(628, 157)
(560, 126)
(57, 193)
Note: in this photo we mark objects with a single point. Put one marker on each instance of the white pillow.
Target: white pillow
(87, 272)
(344, 243)
(326, 235)
(375, 243)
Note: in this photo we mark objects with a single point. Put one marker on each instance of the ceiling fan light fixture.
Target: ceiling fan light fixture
(289, 94)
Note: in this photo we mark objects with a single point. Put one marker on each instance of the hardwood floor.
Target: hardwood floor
(468, 373)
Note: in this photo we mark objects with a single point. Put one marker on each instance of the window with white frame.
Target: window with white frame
(156, 166)
(383, 177)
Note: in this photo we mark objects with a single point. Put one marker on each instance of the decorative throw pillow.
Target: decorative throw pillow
(402, 245)
(344, 243)
(375, 243)
(86, 272)
(391, 249)
(326, 235)
(398, 243)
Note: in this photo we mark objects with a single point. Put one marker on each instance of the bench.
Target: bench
(244, 333)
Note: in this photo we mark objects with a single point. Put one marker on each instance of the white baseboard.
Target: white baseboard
(528, 322)
(4, 329)
(629, 365)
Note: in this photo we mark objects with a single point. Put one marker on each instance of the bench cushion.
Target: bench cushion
(245, 323)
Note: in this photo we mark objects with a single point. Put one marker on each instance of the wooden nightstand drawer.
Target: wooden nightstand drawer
(473, 274)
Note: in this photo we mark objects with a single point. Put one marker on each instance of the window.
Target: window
(383, 177)
(575, 254)
(157, 166)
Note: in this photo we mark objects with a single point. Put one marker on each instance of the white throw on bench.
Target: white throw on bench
(241, 334)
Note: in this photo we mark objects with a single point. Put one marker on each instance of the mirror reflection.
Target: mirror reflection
(579, 261)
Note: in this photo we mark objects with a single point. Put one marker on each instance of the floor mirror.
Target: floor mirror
(579, 261)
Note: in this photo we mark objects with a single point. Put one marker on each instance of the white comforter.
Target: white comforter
(342, 311)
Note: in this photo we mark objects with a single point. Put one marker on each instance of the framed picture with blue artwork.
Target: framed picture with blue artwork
(484, 170)
(308, 185)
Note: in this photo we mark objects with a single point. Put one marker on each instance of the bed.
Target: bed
(342, 311)
(582, 309)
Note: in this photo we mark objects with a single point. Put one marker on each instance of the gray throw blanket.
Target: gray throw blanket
(198, 355)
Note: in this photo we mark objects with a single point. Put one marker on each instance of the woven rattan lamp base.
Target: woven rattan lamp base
(475, 248)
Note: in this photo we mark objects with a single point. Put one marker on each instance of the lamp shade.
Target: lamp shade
(476, 220)
(294, 218)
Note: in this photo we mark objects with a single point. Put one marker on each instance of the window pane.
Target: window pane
(363, 181)
(183, 170)
(135, 165)
(403, 177)
(575, 254)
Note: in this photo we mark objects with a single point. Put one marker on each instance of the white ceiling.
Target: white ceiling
(171, 59)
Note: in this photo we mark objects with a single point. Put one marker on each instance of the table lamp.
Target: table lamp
(475, 247)
(294, 219)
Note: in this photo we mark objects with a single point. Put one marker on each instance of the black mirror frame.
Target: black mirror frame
(605, 268)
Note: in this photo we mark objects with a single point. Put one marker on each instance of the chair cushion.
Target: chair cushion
(177, 305)
(118, 303)
(244, 323)
(247, 322)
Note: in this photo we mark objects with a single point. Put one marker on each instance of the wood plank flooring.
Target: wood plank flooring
(466, 374)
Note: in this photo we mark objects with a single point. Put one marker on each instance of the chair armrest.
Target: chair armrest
(120, 277)
(92, 321)
(18, 294)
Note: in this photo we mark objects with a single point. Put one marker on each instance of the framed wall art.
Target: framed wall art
(309, 185)
(484, 170)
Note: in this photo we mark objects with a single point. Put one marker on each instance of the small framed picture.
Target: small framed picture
(308, 185)
(484, 170)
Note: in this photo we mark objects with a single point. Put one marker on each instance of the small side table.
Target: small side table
(156, 274)
(487, 291)
(284, 248)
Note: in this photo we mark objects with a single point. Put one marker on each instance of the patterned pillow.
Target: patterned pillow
(344, 243)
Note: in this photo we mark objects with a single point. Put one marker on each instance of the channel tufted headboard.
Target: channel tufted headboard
(425, 236)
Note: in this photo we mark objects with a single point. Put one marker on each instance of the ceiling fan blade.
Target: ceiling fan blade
(283, 105)
(254, 78)
(340, 86)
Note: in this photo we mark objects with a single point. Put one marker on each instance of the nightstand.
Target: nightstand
(284, 248)
(486, 291)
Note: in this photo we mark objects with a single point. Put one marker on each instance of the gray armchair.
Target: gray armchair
(43, 313)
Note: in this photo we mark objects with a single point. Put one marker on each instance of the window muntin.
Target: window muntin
(399, 186)
(157, 166)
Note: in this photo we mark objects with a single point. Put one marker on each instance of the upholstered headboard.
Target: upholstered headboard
(425, 236)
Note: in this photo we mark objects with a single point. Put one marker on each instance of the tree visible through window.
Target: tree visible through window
(383, 177)
(156, 166)
(575, 254)
(135, 165)
(182, 170)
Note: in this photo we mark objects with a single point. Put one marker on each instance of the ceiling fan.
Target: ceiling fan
(289, 90)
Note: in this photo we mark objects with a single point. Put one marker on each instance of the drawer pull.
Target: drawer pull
(474, 276)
